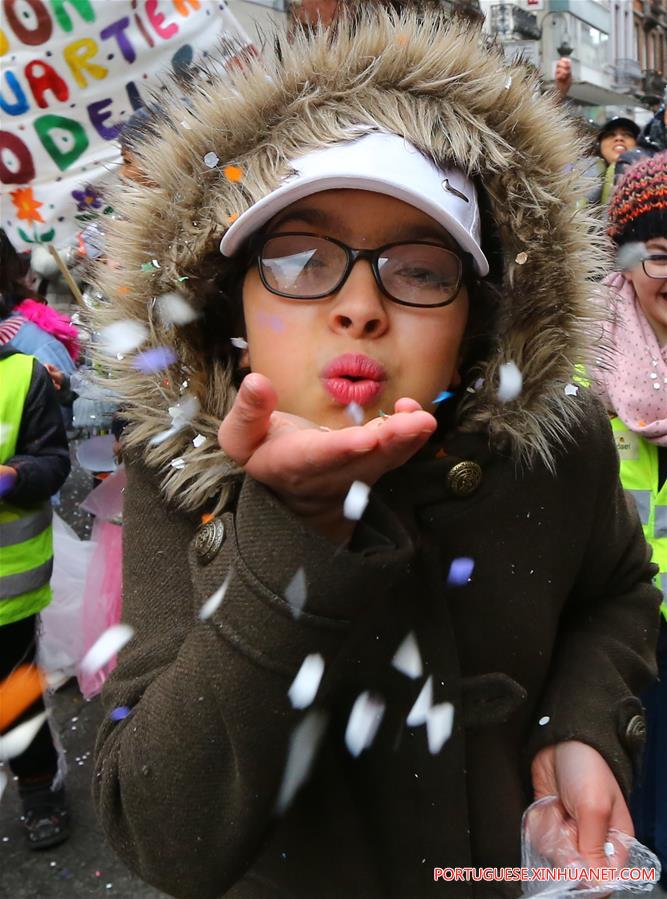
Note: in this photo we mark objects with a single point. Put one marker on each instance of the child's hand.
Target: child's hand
(589, 793)
(311, 469)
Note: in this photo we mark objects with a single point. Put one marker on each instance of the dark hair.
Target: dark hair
(13, 269)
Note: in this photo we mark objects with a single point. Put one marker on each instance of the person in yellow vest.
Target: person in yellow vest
(34, 464)
(631, 378)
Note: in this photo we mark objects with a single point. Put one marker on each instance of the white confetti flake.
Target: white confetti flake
(178, 463)
(407, 659)
(199, 440)
(630, 255)
(356, 413)
(16, 741)
(303, 747)
(307, 682)
(3, 782)
(123, 336)
(211, 160)
(174, 309)
(508, 83)
(295, 594)
(239, 342)
(363, 723)
(106, 647)
(186, 125)
(439, 721)
(571, 390)
(356, 501)
(419, 711)
(212, 603)
(544, 720)
(609, 849)
(511, 382)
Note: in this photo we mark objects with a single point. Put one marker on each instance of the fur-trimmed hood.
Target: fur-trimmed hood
(433, 80)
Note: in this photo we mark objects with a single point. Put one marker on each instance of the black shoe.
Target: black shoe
(45, 816)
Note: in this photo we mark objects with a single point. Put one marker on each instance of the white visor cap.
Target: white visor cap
(385, 164)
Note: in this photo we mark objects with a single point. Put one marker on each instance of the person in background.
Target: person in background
(615, 141)
(28, 325)
(34, 464)
(632, 383)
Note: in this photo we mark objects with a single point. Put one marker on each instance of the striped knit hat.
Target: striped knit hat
(638, 207)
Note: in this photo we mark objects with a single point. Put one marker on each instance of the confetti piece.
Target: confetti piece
(232, 218)
(508, 83)
(571, 390)
(609, 849)
(199, 440)
(106, 647)
(146, 267)
(303, 746)
(178, 463)
(295, 594)
(442, 396)
(18, 692)
(419, 711)
(521, 258)
(355, 412)
(123, 336)
(233, 173)
(3, 782)
(631, 255)
(174, 309)
(544, 720)
(7, 482)
(156, 264)
(307, 682)
(239, 342)
(363, 722)
(439, 721)
(119, 713)
(460, 571)
(17, 740)
(356, 501)
(511, 382)
(213, 602)
(211, 160)
(185, 125)
(156, 359)
(408, 659)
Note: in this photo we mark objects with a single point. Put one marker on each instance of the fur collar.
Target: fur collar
(440, 84)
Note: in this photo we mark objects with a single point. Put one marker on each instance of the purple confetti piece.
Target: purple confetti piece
(459, 572)
(7, 482)
(155, 359)
(119, 713)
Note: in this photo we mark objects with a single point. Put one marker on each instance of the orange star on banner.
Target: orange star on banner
(26, 205)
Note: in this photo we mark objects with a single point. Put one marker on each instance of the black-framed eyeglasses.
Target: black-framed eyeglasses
(302, 266)
(655, 266)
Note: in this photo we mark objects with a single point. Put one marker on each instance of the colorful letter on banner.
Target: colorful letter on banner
(72, 72)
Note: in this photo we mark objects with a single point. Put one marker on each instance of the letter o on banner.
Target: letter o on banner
(31, 36)
(25, 169)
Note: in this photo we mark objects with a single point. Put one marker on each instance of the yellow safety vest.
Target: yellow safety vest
(639, 476)
(26, 538)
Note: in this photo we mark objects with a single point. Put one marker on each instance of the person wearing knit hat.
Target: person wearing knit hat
(383, 586)
(632, 383)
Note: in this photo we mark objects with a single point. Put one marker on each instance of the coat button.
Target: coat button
(208, 540)
(635, 732)
(464, 478)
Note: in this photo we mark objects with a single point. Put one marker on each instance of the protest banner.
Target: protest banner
(73, 71)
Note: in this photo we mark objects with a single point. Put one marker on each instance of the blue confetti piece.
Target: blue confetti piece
(460, 572)
(119, 713)
(155, 359)
(442, 396)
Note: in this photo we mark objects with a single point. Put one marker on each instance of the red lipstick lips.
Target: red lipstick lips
(354, 378)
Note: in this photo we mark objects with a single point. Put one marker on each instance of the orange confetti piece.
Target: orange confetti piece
(642, 424)
(233, 172)
(206, 517)
(123, 290)
(232, 218)
(440, 454)
(18, 692)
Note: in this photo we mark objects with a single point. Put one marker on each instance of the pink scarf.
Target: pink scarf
(633, 382)
(55, 323)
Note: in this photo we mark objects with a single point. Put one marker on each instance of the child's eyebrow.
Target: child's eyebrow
(404, 231)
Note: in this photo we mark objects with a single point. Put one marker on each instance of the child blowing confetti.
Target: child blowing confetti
(319, 706)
